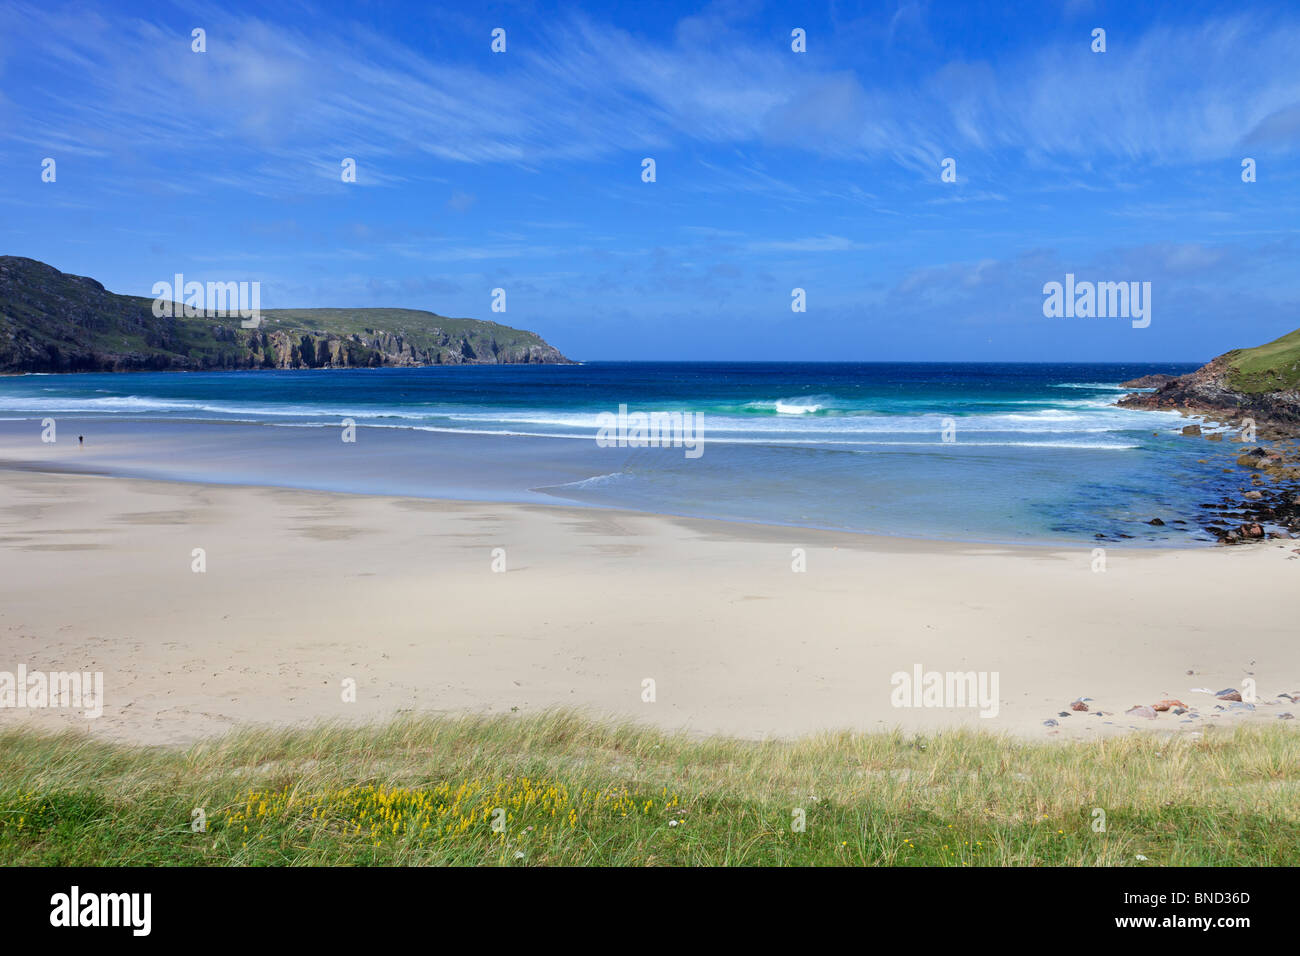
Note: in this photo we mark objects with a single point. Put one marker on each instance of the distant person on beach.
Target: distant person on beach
(81, 439)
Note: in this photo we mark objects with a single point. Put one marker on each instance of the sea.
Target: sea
(980, 452)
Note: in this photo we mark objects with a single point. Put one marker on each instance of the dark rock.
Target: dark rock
(1154, 380)
(1222, 391)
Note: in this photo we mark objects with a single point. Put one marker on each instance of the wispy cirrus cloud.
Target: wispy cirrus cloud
(807, 244)
(300, 96)
(776, 169)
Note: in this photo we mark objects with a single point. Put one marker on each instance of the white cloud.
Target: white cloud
(321, 89)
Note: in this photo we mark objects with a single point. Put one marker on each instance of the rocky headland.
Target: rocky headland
(51, 321)
(1254, 395)
(1261, 383)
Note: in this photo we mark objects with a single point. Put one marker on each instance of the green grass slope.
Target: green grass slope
(1273, 367)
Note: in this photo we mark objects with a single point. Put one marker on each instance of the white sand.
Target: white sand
(304, 590)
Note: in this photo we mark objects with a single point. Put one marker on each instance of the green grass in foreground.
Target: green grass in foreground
(573, 791)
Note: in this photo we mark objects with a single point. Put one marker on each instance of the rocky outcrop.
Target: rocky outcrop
(1210, 392)
(54, 322)
(1262, 384)
(1155, 380)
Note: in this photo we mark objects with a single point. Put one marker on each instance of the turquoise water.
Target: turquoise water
(1037, 452)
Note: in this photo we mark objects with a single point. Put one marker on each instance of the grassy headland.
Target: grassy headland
(426, 790)
(1272, 367)
(51, 321)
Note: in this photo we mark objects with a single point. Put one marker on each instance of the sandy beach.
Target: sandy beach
(304, 591)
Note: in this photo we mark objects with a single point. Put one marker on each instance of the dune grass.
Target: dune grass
(560, 789)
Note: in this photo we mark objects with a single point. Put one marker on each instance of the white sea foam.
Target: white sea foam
(1069, 423)
(1113, 386)
(595, 481)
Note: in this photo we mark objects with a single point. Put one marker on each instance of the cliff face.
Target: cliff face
(276, 348)
(54, 322)
(1261, 383)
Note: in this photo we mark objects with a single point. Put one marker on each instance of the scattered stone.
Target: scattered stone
(1051, 723)
(1078, 705)
(1141, 710)
(1191, 429)
(1167, 704)
(1064, 713)
(1229, 693)
(1287, 716)
(1155, 521)
(1253, 495)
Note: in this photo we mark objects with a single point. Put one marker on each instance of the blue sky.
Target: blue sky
(775, 169)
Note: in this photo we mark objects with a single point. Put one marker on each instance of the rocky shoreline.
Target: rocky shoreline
(1269, 507)
(1209, 392)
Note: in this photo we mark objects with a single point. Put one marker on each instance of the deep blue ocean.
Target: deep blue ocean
(1036, 452)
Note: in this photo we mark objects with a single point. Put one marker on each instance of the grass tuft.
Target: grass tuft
(562, 789)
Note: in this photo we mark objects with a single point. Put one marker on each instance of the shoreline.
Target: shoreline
(1276, 453)
(561, 504)
(473, 466)
(302, 590)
